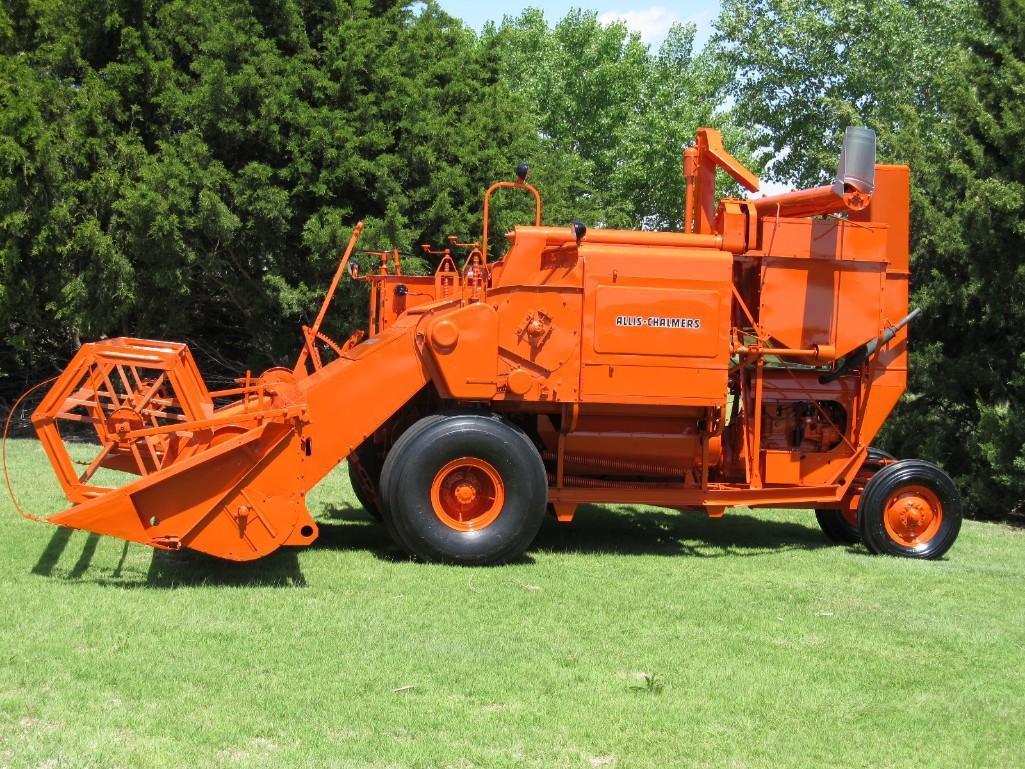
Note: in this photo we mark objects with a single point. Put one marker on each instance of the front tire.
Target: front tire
(465, 489)
(910, 508)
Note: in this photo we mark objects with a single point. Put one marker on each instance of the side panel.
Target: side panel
(463, 345)
(656, 325)
(808, 302)
(351, 397)
(667, 313)
(822, 282)
(539, 342)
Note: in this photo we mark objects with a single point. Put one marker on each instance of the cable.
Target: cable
(3, 448)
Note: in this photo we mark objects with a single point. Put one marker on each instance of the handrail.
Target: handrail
(517, 185)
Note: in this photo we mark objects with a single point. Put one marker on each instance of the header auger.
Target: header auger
(749, 360)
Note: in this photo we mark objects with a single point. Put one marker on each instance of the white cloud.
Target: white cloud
(651, 23)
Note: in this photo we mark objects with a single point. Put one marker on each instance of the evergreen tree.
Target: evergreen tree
(966, 404)
(190, 170)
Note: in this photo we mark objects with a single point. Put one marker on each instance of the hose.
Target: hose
(3, 448)
(863, 352)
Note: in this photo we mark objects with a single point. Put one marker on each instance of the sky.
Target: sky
(651, 18)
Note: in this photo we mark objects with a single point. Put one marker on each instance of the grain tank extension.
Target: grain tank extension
(749, 360)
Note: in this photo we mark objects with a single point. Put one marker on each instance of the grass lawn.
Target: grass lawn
(634, 638)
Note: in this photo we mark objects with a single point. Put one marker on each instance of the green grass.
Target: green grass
(633, 638)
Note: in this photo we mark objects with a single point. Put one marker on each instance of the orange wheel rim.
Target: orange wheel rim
(467, 494)
(913, 516)
(850, 517)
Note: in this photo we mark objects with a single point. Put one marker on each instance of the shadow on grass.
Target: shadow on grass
(623, 530)
(166, 569)
(632, 531)
(186, 568)
(352, 528)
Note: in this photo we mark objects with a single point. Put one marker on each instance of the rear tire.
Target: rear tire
(843, 528)
(837, 528)
(464, 489)
(878, 456)
(910, 508)
(366, 488)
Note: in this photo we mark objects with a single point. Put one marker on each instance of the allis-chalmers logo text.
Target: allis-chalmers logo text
(654, 321)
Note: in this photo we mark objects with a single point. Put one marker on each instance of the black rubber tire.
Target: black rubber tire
(367, 496)
(413, 463)
(888, 481)
(833, 524)
(878, 456)
(395, 452)
(836, 527)
(393, 461)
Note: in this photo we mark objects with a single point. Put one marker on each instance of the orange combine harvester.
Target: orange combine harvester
(748, 360)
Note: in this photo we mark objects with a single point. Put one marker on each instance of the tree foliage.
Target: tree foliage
(190, 170)
(941, 81)
(614, 114)
(966, 404)
(801, 71)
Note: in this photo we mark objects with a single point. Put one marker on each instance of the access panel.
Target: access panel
(656, 325)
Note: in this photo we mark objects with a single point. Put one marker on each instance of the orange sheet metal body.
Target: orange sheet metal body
(227, 481)
(676, 369)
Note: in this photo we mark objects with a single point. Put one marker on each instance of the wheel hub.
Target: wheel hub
(467, 494)
(124, 420)
(913, 516)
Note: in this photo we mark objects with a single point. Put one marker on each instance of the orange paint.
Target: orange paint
(467, 494)
(688, 370)
(913, 516)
